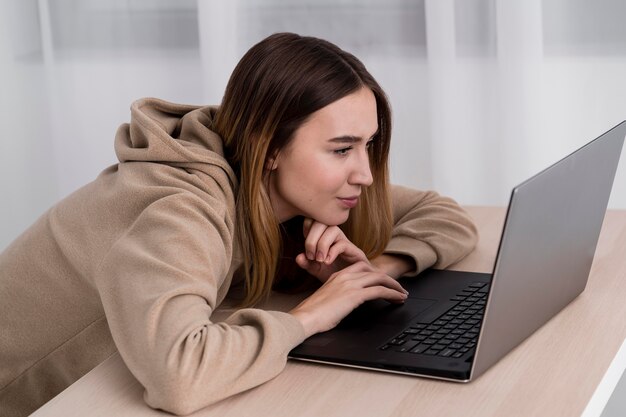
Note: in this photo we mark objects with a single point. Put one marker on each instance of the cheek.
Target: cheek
(320, 174)
(331, 181)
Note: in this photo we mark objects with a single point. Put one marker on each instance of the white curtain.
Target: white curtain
(484, 93)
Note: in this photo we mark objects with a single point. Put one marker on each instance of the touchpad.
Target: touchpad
(381, 312)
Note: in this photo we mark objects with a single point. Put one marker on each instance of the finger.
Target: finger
(302, 261)
(329, 237)
(373, 293)
(378, 279)
(310, 243)
(349, 272)
(348, 250)
(306, 226)
(311, 267)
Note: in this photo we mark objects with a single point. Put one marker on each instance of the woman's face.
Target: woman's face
(323, 170)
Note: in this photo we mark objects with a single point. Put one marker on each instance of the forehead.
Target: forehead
(352, 115)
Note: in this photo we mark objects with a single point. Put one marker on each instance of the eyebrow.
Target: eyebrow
(350, 138)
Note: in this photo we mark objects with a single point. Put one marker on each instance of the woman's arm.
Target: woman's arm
(159, 285)
(429, 230)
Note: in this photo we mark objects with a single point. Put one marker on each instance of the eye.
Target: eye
(342, 151)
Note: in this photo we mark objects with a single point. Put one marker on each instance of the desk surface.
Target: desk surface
(553, 373)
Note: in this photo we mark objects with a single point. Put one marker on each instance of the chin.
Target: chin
(331, 219)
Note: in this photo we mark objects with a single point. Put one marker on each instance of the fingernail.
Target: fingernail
(320, 257)
(310, 255)
(405, 291)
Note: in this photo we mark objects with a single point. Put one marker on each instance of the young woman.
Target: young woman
(286, 179)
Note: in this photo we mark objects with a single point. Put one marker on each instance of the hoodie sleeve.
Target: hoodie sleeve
(431, 229)
(159, 284)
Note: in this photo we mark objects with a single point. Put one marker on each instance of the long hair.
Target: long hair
(278, 84)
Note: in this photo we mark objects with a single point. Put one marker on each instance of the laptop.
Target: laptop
(455, 325)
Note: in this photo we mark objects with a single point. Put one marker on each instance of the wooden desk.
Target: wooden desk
(553, 373)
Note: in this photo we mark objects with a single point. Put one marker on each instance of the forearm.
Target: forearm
(394, 265)
(431, 229)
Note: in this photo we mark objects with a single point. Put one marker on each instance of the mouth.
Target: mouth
(349, 202)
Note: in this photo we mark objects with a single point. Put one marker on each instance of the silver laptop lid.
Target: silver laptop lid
(547, 245)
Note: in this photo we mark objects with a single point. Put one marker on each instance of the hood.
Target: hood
(175, 134)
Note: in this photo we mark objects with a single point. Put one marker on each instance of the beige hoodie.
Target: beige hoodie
(138, 260)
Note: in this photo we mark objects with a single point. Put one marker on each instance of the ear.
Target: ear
(272, 162)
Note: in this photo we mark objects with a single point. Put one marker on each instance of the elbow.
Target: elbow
(473, 236)
(467, 233)
(468, 240)
(172, 401)
(175, 396)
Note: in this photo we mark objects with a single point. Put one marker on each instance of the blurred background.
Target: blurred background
(485, 93)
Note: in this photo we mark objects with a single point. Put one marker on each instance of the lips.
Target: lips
(349, 202)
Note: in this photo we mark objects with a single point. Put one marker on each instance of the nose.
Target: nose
(362, 173)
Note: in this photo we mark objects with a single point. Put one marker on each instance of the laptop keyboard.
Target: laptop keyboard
(453, 334)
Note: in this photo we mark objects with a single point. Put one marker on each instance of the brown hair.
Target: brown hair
(278, 84)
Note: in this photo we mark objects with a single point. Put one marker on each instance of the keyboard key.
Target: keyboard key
(419, 349)
(447, 352)
(407, 347)
(385, 347)
(431, 352)
(457, 355)
(455, 328)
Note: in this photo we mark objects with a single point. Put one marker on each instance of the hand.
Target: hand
(327, 250)
(394, 265)
(343, 292)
